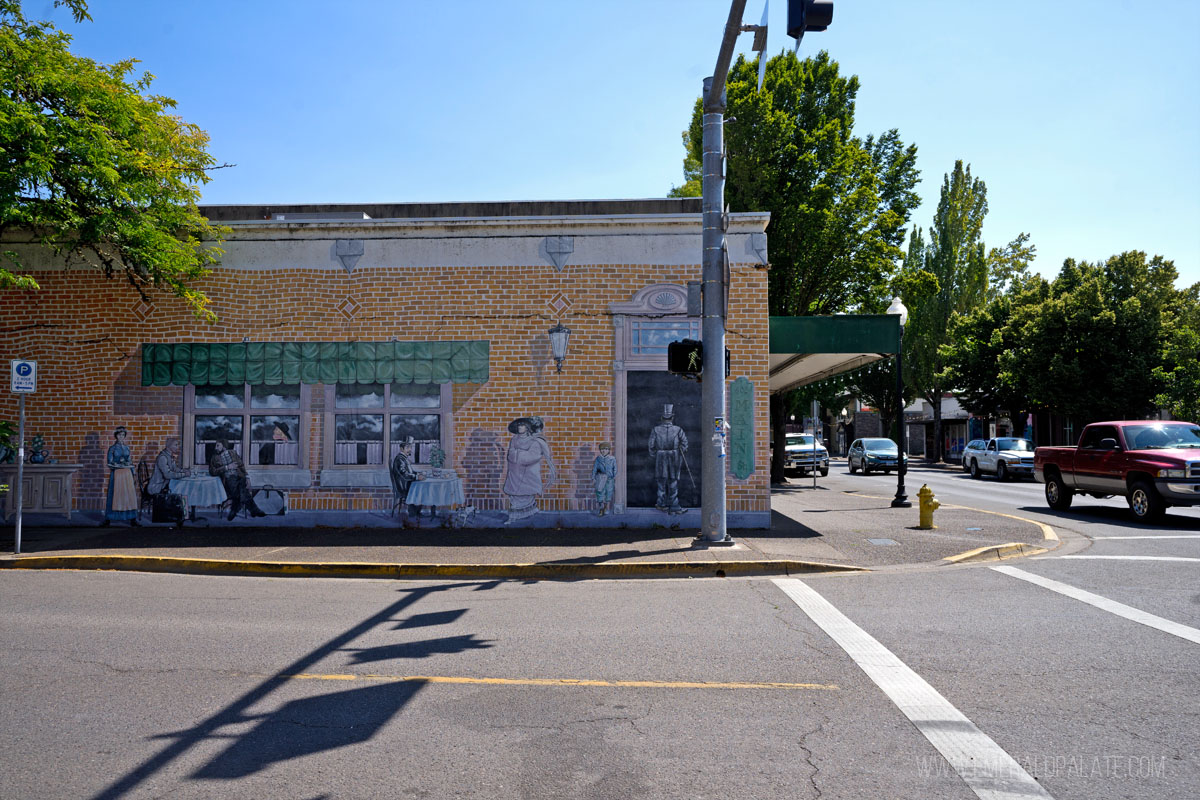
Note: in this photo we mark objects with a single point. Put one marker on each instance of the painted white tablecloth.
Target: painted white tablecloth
(436, 492)
(202, 490)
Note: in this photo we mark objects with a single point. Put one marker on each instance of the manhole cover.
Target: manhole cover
(886, 542)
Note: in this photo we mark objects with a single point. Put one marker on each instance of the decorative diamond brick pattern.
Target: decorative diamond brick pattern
(141, 310)
(349, 308)
(559, 303)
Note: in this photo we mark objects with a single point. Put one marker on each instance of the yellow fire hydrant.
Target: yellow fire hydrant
(928, 504)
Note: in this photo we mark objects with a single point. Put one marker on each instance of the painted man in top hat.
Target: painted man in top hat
(668, 445)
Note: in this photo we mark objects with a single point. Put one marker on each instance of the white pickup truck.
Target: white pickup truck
(804, 454)
(1005, 457)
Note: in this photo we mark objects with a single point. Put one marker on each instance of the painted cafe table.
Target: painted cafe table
(444, 490)
(200, 490)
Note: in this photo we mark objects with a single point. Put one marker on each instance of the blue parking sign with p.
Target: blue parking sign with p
(24, 376)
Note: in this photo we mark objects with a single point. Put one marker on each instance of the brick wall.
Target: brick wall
(85, 333)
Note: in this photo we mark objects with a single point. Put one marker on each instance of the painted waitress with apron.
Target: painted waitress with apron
(123, 501)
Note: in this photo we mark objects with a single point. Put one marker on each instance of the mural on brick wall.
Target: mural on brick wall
(527, 453)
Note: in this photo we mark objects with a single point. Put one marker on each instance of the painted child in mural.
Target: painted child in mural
(227, 465)
(526, 453)
(604, 478)
(668, 446)
(123, 501)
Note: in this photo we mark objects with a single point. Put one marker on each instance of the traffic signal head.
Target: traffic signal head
(808, 15)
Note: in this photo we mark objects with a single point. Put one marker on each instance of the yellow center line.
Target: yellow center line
(305, 676)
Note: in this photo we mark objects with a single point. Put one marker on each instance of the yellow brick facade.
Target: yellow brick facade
(86, 334)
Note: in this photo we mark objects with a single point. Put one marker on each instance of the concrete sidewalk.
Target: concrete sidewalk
(812, 530)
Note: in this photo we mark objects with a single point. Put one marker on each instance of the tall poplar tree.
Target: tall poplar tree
(956, 257)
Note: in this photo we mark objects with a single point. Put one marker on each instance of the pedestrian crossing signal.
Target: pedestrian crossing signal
(685, 357)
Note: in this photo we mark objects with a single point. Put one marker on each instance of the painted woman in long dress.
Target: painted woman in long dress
(526, 452)
(123, 501)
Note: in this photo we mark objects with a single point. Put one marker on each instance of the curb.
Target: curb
(997, 552)
(543, 571)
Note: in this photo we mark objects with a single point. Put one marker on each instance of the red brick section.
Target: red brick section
(86, 338)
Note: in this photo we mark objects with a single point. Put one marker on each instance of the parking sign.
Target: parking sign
(24, 376)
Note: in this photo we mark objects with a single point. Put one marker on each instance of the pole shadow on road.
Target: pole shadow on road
(314, 724)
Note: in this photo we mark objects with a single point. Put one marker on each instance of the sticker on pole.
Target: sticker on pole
(24, 376)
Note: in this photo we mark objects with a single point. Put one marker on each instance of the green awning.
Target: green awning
(274, 363)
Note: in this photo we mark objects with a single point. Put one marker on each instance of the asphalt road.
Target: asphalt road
(1066, 676)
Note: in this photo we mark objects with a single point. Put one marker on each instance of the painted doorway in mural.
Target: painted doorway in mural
(646, 394)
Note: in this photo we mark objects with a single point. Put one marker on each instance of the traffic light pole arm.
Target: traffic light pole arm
(715, 99)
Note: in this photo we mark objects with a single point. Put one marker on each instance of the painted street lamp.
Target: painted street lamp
(559, 335)
(901, 500)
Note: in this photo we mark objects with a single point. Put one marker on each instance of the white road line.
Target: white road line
(986, 768)
(1103, 603)
(1126, 558)
(1164, 536)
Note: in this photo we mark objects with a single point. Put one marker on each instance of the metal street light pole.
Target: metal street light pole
(712, 331)
(898, 308)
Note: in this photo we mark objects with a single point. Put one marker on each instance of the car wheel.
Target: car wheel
(974, 468)
(1058, 496)
(1145, 502)
(866, 469)
(825, 472)
(1002, 471)
(853, 469)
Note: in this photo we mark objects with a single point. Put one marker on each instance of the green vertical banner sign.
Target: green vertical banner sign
(741, 423)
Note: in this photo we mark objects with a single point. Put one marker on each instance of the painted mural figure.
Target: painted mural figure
(166, 468)
(280, 435)
(403, 475)
(527, 451)
(123, 501)
(604, 478)
(668, 445)
(227, 465)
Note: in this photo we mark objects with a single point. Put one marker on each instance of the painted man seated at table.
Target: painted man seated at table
(403, 475)
(166, 469)
(227, 465)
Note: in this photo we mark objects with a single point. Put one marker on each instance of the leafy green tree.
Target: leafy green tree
(839, 204)
(956, 256)
(1090, 349)
(95, 167)
(978, 359)
(1179, 374)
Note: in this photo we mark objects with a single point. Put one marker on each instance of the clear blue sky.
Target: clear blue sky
(1080, 115)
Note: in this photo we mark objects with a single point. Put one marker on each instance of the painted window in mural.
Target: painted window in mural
(404, 410)
(651, 337)
(262, 422)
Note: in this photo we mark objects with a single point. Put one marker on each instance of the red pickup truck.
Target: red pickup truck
(1150, 463)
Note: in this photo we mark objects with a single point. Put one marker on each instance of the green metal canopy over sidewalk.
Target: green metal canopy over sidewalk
(805, 350)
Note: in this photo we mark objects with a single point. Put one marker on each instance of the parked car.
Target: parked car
(1150, 463)
(1006, 457)
(803, 453)
(974, 447)
(874, 454)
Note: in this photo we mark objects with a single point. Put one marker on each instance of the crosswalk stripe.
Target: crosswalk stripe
(985, 766)
(1103, 603)
(1124, 558)
(1160, 536)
